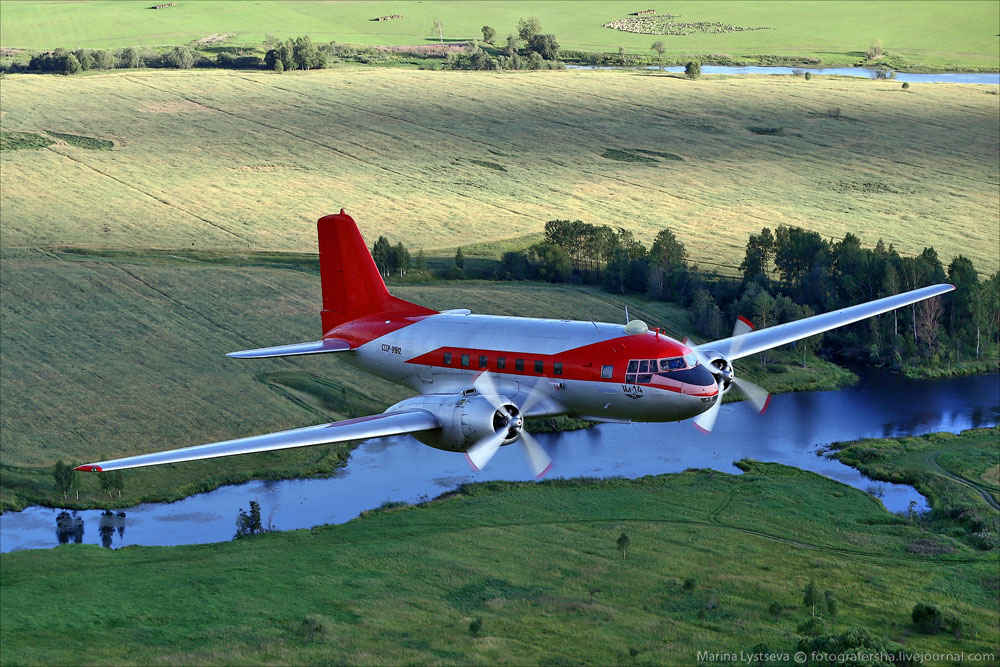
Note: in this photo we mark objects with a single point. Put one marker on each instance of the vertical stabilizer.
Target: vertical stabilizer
(352, 285)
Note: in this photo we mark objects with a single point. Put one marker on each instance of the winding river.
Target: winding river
(399, 469)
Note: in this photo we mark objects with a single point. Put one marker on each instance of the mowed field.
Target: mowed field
(248, 161)
(935, 34)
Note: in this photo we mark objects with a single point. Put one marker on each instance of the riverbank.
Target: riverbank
(493, 565)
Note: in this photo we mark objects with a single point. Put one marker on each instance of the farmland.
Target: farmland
(925, 34)
(246, 161)
(524, 573)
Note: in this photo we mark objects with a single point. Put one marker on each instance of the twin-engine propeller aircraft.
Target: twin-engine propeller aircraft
(480, 376)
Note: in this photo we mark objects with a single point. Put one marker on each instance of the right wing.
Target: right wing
(395, 423)
(736, 347)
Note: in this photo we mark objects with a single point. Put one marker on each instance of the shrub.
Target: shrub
(809, 75)
(129, 58)
(906, 85)
(775, 609)
(812, 627)
(690, 584)
(475, 627)
(71, 65)
(179, 57)
(692, 70)
(927, 618)
(314, 626)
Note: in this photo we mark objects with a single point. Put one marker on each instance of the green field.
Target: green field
(225, 160)
(928, 34)
(109, 354)
(716, 563)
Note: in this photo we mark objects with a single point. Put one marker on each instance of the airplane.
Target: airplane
(478, 377)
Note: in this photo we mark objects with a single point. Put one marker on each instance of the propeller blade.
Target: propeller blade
(480, 453)
(706, 420)
(486, 387)
(538, 459)
(759, 397)
(539, 391)
(742, 326)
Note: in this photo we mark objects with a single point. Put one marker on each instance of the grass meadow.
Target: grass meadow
(248, 161)
(930, 34)
(716, 563)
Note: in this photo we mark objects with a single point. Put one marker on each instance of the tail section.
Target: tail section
(352, 285)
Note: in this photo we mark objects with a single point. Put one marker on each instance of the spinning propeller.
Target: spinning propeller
(722, 369)
(509, 424)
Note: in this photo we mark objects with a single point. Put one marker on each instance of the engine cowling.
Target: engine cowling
(720, 367)
(465, 420)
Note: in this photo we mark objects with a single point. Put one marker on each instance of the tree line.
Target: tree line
(529, 48)
(786, 274)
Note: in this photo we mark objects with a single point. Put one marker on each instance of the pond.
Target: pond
(399, 469)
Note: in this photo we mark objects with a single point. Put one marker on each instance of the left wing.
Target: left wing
(295, 349)
(376, 426)
(746, 344)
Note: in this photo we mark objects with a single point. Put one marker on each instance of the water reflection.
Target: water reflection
(400, 469)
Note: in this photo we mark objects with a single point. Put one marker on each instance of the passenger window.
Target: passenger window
(465, 360)
(643, 366)
(633, 366)
(629, 379)
(607, 372)
(557, 368)
(501, 362)
(447, 358)
(519, 364)
(482, 361)
(539, 367)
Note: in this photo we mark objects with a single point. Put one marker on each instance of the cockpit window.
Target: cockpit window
(691, 359)
(633, 366)
(643, 366)
(672, 364)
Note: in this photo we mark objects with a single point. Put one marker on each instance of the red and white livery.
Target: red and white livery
(478, 377)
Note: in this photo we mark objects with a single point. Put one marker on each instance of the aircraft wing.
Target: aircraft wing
(746, 344)
(395, 423)
(312, 347)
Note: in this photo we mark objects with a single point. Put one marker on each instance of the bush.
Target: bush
(906, 85)
(809, 75)
(129, 58)
(314, 626)
(927, 618)
(179, 57)
(692, 70)
(812, 627)
(71, 65)
(690, 584)
(775, 609)
(475, 627)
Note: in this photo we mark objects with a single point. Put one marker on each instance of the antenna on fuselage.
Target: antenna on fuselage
(594, 323)
(627, 320)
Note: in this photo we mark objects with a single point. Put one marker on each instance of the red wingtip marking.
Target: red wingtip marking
(544, 472)
(706, 431)
(766, 403)
(469, 459)
(89, 468)
(746, 322)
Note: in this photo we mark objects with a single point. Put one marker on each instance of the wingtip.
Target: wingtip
(89, 467)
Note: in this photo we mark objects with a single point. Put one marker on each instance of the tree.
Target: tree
(528, 28)
(103, 60)
(118, 481)
(400, 258)
(707, 315)
(928, 618)
(810, 344)
(928, 323)
(85, 58)
(488, 34)
(179, 57)
(63, 474)
(544, 45)
(659, 47)
(812, 597)
(460, 258)
(129, 58)
(692, 70)
(278, 66)
(512, 46)
(71, 65)
(382, 254)
(305, 55)
(107, 483)
(759, 255)
(438, 27)
(74, 482)
(667, 262)
(831, 603)
(421, 260)
(874, 50)
(623, 544)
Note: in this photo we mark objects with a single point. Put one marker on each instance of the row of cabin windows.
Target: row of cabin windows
(465, 360)
(640, 371)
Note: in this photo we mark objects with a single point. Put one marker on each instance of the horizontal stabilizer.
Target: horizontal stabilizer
(295, 349)
(376, 426)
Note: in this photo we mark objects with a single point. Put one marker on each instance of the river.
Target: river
(792, 431)
(862, 72)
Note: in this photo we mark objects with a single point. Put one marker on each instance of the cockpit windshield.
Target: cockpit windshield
(641, 371)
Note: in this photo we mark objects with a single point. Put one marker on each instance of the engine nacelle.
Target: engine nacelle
(465, 420)
(721, 368)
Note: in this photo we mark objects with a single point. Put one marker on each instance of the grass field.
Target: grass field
(931, 34)
(248, 161)
(108, 354)
(716, 563)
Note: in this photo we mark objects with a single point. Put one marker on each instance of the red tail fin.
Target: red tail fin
(352, 284)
